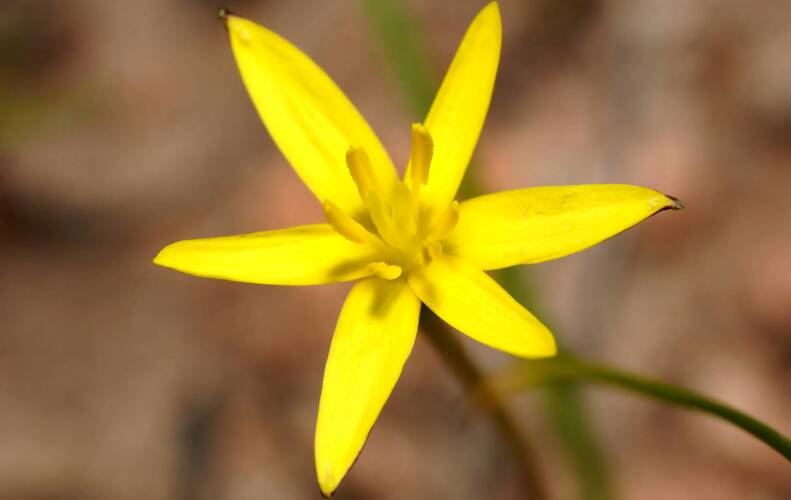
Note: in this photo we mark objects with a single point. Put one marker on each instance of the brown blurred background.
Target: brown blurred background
(124, 126)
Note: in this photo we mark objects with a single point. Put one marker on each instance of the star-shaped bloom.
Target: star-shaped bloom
(405, 240)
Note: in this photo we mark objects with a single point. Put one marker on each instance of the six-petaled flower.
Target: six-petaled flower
(406, 240)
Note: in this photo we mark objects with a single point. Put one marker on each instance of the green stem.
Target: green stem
(570, 369)
(565, 409)
(573, 428)
(472, 379)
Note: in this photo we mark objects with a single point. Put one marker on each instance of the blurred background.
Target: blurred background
(124, 126)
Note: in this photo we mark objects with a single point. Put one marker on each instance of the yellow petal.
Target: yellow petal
(473, 303)
(459, 109)
(374, 336)
(309, 118)
(536, 224)
(303, 255)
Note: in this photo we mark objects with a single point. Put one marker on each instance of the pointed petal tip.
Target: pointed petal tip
(222, 15)
(677, 204)
(545, 348)
(160, 258)
(493, 8)
(327, 482)
(538, 344)
(165, 257)
(169, 255)
(490, 16)
(552, 348)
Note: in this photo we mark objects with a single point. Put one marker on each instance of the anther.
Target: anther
(362, 172)
(344, 225)
(384, 270)
(446, 221)
(420, 156)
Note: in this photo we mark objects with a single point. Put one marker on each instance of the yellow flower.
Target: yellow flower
(406, 240)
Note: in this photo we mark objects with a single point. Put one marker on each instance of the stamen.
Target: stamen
(362, 173)
(384, 270)
(446, 221)
(405, 209)
(344, 225)
(420, 157)
(382, 217)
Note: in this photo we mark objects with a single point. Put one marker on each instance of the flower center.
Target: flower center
(396, 226)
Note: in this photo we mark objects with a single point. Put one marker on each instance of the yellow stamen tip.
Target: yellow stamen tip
(344, 225)
(420, 157)
(446, 221)
(361, 170)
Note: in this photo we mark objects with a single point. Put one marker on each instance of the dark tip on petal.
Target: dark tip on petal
(223, 14)
(677, 204)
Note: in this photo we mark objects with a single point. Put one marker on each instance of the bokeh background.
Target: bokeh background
(124, 126)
